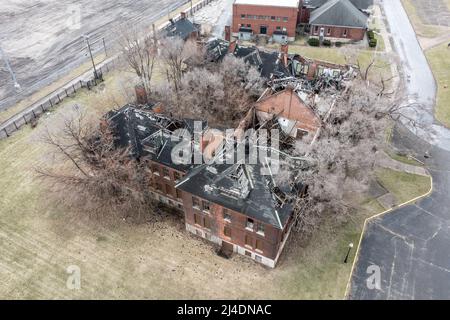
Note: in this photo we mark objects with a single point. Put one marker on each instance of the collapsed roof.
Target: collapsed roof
(149, 134)
(182, 28)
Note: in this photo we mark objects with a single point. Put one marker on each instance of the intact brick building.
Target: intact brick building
(271, 18)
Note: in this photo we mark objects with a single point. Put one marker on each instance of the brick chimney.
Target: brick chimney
(228, 33)
(141, 94)
(284, 53)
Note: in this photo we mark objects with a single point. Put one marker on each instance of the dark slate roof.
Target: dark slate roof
(182, 28)
(268, 63)
(339, 13)
(360, 4)
(241, 188)
(148, 134)
(216, 49)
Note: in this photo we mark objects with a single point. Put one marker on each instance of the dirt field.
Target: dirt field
(43, 39)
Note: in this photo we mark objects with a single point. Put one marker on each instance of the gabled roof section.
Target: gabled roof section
(269, 64)
(339, 13)
(359, 4)
(182, 28)
(241, 188)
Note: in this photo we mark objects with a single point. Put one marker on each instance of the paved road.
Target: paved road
(411, 245)
(43, 39)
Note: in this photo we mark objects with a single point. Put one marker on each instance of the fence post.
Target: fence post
(25, 119)
(51, 103)
(15, 125)
(42, 107)
(34, 114)
(73, 87)
(66, 92)
(6, 132)
(59, 99)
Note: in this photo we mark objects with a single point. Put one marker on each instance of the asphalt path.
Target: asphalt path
(405, 254)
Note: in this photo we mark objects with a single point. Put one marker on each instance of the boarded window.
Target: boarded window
(248, 240)
(206, 223)
(196, 219)
(258, 245)
(227, 231)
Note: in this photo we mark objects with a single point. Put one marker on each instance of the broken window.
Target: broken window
(205, 206)
(176, 176)
(260, 228)
(328, 31)
(166, 173)
(195, 203)
(345, 33)
(273, 18)
(227, 231)
(250, 224)
(243, 16)
(226, 215)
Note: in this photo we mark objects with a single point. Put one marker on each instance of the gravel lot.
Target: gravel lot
(43, 38)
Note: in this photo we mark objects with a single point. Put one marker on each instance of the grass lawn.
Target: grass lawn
(333, 54)
(40, 236)
(439, 59)
(403, 185)
(423, 30)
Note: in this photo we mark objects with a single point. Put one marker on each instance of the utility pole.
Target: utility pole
(86, 37)
(8, 66)
(104, 46)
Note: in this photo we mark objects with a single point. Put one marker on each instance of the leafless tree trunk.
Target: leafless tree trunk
(102, 178)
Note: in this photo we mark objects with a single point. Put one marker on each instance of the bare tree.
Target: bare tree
(341, 161)
(140, 54)
(175, 53)
(220, 93)
(102, 178)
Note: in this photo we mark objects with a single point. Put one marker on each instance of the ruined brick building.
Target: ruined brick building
(232, 205)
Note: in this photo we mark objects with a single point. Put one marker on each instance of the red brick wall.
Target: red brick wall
(270, 242)
(338, 32)
(288, 105)
(270, 11)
